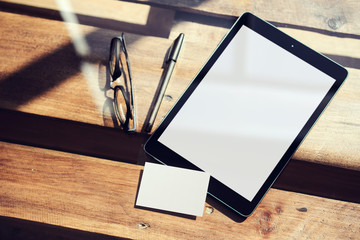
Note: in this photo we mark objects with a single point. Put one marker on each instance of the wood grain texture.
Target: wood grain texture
(94, 195)
(14, 228)
(72, 136)
(78, 88)
(300, 176)
(114, 15)
(338, 16)
(82, 84)
(54, 95)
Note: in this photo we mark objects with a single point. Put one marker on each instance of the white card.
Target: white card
(173, 189)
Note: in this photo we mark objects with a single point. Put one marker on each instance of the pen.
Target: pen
(171, 60)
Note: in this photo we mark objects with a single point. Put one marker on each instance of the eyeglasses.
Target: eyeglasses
(119, 66)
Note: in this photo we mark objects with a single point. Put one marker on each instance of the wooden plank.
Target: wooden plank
(300, 176)
(14, 228)
(89, 194)
(77, 90)
(327, 44)
(326, 15)
(115, 15)
(111, 10)
(335, 139)
(84, 93)
(98, 196)
(71, 136)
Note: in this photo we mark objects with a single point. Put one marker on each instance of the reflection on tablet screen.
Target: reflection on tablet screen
(246, 112)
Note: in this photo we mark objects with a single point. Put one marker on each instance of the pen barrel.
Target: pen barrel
(166, 81)
(161, 93)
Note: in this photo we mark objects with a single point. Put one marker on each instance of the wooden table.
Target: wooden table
(67, 169)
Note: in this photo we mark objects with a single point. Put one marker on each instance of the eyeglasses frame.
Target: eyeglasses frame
(130, 113)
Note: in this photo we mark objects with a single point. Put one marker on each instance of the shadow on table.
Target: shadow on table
(45, 73)
(157, 23)
(218, 206)
(13, 228)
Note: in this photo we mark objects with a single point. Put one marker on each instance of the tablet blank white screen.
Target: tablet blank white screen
(246, 112)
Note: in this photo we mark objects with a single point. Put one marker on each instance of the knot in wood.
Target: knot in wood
(168, 98)
(266, 224)
(333, 23)
(143, 225)
(209, 210)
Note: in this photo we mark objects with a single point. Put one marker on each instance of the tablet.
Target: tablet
(247, 111)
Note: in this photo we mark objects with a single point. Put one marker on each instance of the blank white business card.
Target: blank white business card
(173, 189)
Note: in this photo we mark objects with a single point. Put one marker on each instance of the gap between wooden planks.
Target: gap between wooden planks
(98, 196)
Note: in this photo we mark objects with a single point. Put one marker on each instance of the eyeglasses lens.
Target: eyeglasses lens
(121, 104)
(121, 81)
(112, 61)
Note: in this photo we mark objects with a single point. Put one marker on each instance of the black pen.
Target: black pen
(171, 60)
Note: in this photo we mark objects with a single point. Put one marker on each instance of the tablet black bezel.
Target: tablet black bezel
(218, 190)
